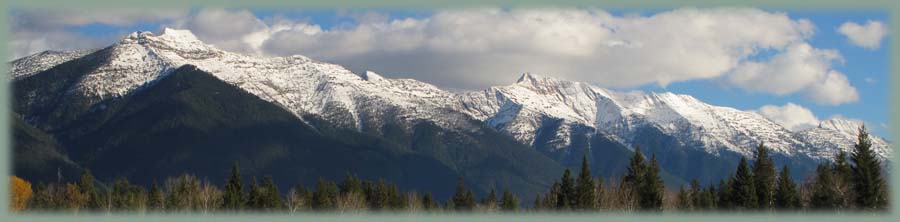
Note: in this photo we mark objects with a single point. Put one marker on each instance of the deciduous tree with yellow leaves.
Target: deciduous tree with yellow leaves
(20, 191)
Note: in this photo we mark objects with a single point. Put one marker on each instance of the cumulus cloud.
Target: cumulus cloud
(867, 36)
(799, 68)
(36, 30)
(792, 116)
(477, 48)
(473, 49)
(833, 89)
(235, 30)
(24, 43)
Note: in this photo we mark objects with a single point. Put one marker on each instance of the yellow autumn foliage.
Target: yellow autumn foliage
(20, 192)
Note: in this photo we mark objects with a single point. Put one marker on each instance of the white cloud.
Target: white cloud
(799, 68)
(235, 30)
(24, 43)
(792, 116)
(36, 30)
(833, 89)
(868, 36)
(477, 48)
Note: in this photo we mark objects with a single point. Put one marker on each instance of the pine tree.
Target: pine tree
(725, 193)
(539, 203)
(271, 198)
(764, 177)
(370, 192)
(490, 201)
(585, 193)
(463, 200)
(599, 192)
(351, 184)
(843, 178)
(635, 176)
(428, 202)
(869, 184)
(156, 198)
(298, 198)
(121, 197)
(382, 196)
(842, 168)
(786, 195)
(234, 191)
(254, 196)
(823, 190)
(550, 200)
(744, 192)
(86, 185)
(708, 202)
(509, 202)
(565, 199)
(684, 199)
(696, 194)
(636, 168)
(325, 196)
(183, 192)
(653, 189)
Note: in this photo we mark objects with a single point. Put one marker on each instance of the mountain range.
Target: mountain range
(151, 106)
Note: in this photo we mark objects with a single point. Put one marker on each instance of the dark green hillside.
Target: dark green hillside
(37, 156)
(44, 97)
(191, 122)
(485, 158)
(686, 162)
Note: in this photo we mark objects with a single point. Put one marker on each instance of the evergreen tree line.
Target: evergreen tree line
(187, 193)
(849, 182)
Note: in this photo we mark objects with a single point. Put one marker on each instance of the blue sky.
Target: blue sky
(858, 63)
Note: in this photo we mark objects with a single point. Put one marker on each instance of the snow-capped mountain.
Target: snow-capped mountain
(519, 109)
(299, 84)
(839, 134)
(366, 102)
(29, 65)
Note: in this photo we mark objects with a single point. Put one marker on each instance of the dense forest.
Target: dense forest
(854, 181)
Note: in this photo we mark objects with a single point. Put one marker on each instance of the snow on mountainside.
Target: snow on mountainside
(304, 86)
(838, 134)
(30, 65)
(297, 83)
(518, 108)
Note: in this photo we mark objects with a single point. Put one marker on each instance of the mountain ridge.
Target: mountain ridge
(541, 112)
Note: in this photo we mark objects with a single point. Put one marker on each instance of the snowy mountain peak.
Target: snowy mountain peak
(33, 64)
(179, 33)
(840, 134)
(536, 80)
(845, 126)
(137, 36)
(372, 76)
(526, 77)
(168, 34)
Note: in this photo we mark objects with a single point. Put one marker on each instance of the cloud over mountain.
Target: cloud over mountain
(477, 48)
(790, 115)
